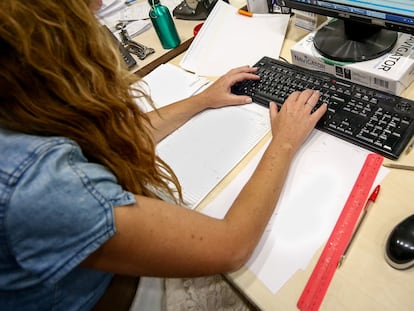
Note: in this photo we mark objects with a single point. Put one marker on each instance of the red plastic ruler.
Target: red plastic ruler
(322, 274)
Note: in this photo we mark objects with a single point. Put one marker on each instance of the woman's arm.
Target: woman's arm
(155, 238)
(171, 117)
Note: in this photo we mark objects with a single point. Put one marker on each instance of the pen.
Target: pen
(132, 20)
(370, 201)
(129, 2)
(399, 166)
(245, 13)
(410, 146)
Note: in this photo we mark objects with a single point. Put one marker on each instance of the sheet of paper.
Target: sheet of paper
(319, 182)
(205, 149)
(228, 39)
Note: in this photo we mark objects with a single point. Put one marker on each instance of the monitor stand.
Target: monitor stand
(349, 41)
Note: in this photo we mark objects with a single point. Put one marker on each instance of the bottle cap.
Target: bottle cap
(153, 2)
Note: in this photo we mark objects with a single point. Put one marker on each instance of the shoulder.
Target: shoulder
(20, 151)
(58, 206)
(34, 166)
(30, 160)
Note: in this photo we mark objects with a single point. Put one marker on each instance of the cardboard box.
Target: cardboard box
(392, 72)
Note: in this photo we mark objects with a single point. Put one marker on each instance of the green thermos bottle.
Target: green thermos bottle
(164, 25)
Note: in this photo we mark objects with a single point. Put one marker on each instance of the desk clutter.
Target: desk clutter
(125, 23)
(128, 19)
(324, 172)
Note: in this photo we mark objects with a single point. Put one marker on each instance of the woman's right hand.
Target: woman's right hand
(295, 119)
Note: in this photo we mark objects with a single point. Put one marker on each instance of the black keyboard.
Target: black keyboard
(378, 121)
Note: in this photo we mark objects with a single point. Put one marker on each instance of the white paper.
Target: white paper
(228, 40)
(205, 149)
(169, 83)
(319, 182)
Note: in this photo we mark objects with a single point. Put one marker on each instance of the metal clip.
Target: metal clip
(133, 47)
(138, 49)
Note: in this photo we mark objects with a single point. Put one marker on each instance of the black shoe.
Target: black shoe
(183, 11)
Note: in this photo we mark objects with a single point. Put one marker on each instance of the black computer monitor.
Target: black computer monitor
(361, 29)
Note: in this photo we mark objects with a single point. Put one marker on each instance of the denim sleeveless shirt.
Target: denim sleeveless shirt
(56, 208)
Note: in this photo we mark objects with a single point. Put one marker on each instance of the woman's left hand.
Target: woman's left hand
(168, 118)
(219, 93)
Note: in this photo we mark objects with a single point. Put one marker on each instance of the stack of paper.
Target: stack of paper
(228, 39)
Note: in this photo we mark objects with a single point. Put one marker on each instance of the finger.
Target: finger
(242, 69)
(312, 101)
(240, 99)
(273, 109)
(293, 96)
(318, 113)
(304, 96)
(243, 76)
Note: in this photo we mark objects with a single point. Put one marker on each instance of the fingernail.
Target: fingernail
(249, 101)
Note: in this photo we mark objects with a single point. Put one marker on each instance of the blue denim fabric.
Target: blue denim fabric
(56, 208)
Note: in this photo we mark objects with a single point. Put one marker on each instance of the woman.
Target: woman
(83, 196)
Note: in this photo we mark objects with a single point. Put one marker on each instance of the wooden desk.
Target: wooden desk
(365, 281)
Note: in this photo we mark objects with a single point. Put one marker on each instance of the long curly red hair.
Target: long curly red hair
(62, 75)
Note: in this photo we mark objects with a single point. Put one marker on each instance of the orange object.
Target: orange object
(245, 13)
